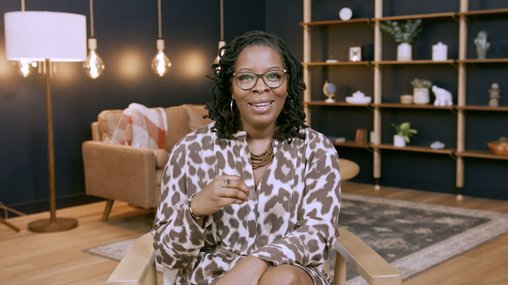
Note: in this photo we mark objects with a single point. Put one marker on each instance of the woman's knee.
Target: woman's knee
(285, 274)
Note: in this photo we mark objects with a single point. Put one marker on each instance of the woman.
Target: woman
(252, 198)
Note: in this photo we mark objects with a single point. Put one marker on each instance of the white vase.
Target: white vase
(404, 52)
(421, 96)
(399, 141)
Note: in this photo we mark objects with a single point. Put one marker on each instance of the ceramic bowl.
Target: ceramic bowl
(358, 100)
(498, 147)
(406, 99)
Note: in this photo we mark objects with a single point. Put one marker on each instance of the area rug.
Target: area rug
(411, 236)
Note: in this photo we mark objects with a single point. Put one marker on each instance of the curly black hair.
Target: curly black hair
(291, 119)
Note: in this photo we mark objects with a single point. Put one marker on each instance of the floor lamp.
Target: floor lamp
(48, 37)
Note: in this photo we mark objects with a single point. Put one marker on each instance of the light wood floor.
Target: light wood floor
(58, 258)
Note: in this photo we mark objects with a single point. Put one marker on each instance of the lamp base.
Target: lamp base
(48, 226)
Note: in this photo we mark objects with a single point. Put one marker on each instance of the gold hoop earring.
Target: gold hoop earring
(231, 105)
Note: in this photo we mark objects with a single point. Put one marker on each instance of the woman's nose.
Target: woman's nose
(260, 86)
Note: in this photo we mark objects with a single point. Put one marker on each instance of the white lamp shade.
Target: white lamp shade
(38, 36)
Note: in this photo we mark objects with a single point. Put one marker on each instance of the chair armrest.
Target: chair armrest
(370, 265)
(138, 264)
(119, 172)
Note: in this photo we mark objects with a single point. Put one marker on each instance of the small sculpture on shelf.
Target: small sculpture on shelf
(358, 97)
(494, 95)
(443, 96)
(482, 45)
(403, 34)
(329, 91)
(437, 145)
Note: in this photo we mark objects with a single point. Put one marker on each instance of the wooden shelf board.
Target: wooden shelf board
(483, 108)
(487, 60)
(324, 63)
(417, 16)
(484, 12)
(418, 61)
(335, 22)
(423, 149)
(336, 104)
(412, 106)
(480, 154)
(352, 144)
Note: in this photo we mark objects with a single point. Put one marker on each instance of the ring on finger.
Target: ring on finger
(227, 181)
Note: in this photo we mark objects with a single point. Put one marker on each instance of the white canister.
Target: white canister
(439, 51)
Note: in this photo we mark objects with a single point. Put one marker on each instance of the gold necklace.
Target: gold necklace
(263, 159)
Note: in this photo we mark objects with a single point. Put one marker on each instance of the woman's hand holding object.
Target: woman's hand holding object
(223, 190)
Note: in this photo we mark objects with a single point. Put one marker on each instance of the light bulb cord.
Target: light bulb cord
(159, 16)
(91, 19)
(221, 20)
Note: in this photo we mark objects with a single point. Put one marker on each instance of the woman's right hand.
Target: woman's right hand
(221, 191)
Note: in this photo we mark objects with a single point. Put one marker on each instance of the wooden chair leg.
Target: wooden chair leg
(13, 227)
(107, 210)
(339, 277)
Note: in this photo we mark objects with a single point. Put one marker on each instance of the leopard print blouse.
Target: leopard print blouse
(290, 218)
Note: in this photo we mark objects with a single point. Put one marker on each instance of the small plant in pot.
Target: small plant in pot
(403, 33)
(403, 132)
(421, 90)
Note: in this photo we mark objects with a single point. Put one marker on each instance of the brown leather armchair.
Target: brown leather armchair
(129, 174)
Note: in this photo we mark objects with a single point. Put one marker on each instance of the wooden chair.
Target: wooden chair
(138, 265)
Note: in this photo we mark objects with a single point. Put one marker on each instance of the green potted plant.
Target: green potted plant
(403, 132)
(421, 90)
(403, 33)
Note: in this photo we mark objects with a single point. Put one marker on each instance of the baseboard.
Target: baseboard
(61, 202)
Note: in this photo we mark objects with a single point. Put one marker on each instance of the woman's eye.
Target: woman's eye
(245, 77)
(272, 76)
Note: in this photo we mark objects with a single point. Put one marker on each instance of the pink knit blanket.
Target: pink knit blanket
(140, 126)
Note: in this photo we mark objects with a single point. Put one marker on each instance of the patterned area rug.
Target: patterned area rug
(411, 236)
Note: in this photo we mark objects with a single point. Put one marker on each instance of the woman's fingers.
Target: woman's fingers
(233, 193)
(235, 183)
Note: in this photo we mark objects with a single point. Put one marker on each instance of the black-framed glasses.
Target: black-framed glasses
(271, 78)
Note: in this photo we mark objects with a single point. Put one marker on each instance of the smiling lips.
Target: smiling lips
(261, 106)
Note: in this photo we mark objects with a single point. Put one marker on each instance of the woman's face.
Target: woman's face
(260, 105)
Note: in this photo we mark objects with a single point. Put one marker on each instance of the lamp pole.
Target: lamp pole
(53, 224)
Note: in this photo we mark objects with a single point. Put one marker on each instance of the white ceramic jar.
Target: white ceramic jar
(439, 52)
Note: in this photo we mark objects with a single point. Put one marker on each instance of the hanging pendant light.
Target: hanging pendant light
(221, 41)
(24, 66)
(93, 65)
(160, 63)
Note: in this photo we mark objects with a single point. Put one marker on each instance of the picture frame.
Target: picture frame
(355, 53)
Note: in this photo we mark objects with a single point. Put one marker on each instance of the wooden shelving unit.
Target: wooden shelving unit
(459, 111)
(413, 148)
(339, 63)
